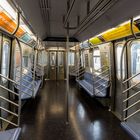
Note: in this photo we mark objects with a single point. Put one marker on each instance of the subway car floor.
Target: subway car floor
(44, 118)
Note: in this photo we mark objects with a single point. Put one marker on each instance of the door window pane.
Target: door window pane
(53, 58)
(5, 59)
(96, 59)
(135, 59)
(119, 48)
(60, 58)
(71, 58)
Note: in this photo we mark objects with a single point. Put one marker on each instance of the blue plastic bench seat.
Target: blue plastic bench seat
(87, 83)
(12, 134)
(132, 128)
(99, 93)
(29, 86)
(101, 86)
(95, 87)
(26, 90)
(87, 86)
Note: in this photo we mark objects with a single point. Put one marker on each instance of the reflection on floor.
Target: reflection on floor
(44, 117)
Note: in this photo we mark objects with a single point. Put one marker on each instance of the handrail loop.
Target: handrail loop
(18, 23)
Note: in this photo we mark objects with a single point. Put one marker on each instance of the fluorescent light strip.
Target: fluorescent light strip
(8, 8)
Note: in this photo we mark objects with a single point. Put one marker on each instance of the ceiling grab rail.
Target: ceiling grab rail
(20, 91)
(69, 12)
(121, 68)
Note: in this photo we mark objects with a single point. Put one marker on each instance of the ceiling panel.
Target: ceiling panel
(122, 11)
(48, 21)
(32, 12)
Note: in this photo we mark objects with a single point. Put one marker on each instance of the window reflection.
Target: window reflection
(81, 111)
(5, 59)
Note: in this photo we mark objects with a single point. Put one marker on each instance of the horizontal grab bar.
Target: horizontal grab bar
(102, 67)
(3, 98)
(9, 90)
(102, 89)
(9, 79)
(25, 74)
(80, 76)
(132, 115)
(26, 87)
(100, 84)
(81, 73)
(102, 72)
(131, 78)
(131, 87)
(76, 69)
(101, 78)
(14, 81)
(131, 96)
(9, 111)
(131, 106)
(25, 80)
(8, 121)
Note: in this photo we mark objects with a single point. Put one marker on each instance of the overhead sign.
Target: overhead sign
(9, 25)
(26, 38)
(85, 45)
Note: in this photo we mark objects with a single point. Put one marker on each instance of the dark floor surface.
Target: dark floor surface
(44, 118)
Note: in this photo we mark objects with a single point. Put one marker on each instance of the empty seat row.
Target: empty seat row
(29, 86)
(96, 86)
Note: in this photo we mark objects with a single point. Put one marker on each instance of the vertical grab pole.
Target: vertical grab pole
(20, 49)
(67, 74)
(42, 68)
(20, 92)
(35, 56)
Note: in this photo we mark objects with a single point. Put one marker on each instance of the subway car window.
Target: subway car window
(71, 58)
(60, 58)
(135, 59)
(81, 57)
(119, 48)
(91, 60)
(26, 51)
(5, 59)
(53, 58)
(96, 59)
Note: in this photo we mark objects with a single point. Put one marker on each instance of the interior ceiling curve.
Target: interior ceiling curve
(47, 16)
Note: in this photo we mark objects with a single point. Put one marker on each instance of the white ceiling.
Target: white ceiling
(46, 16)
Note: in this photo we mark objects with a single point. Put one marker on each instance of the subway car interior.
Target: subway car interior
(69, 70)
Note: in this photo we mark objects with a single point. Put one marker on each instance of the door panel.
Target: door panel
(57, 65)
(52, 66)
(134, 68)
(118, 94)
(60, 72)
